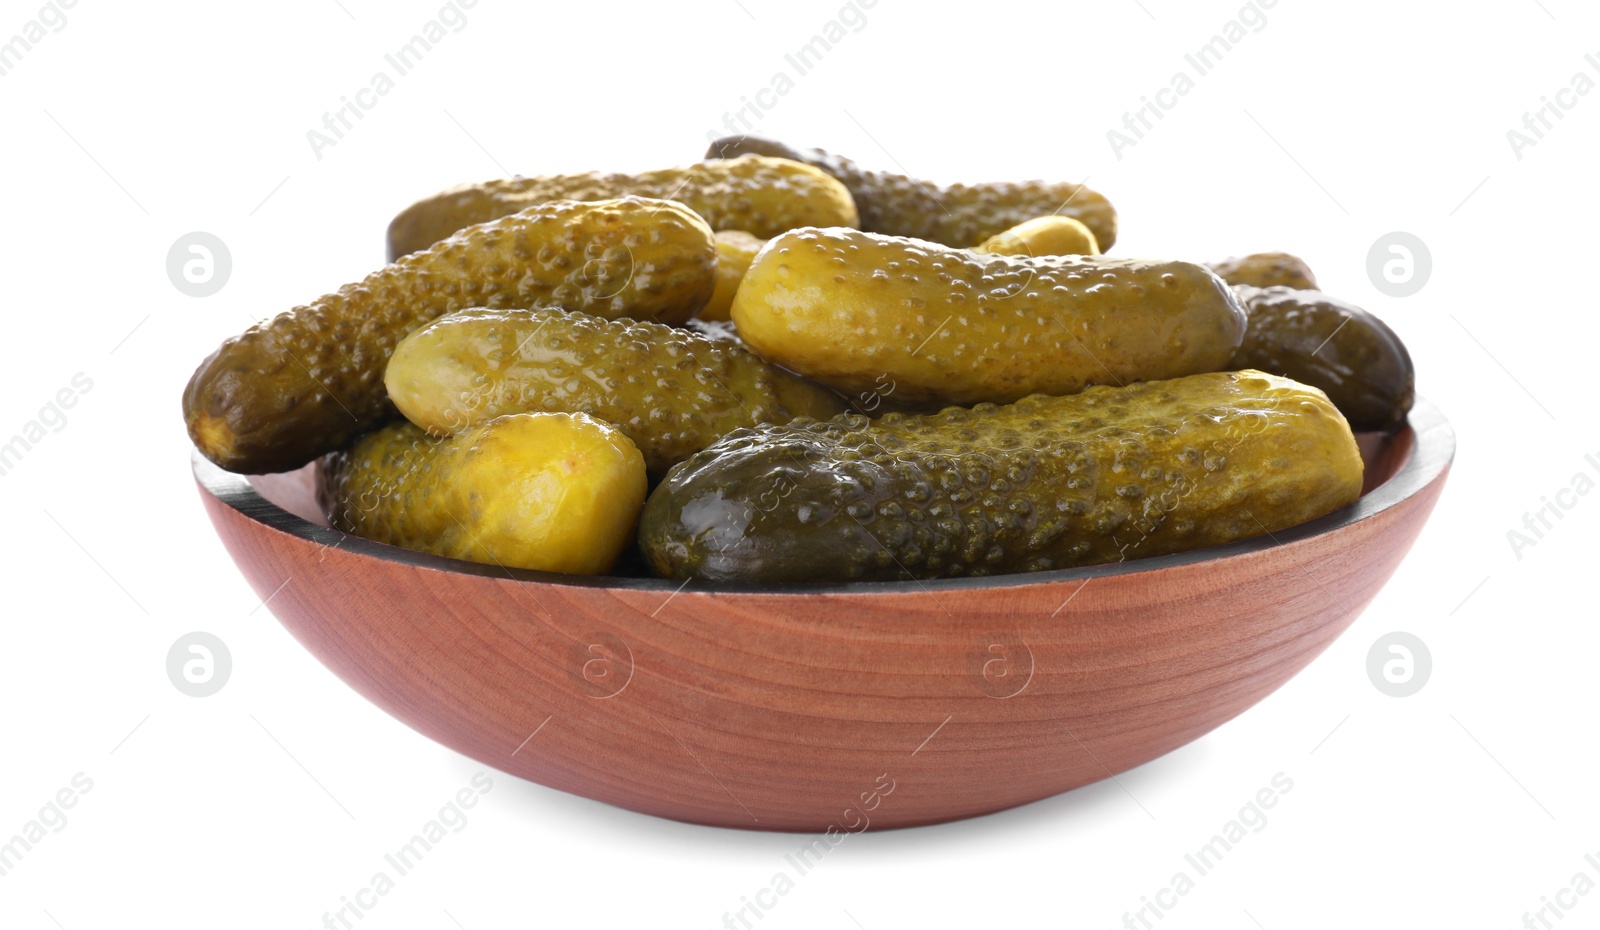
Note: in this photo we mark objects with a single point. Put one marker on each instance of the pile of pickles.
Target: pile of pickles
(776, 366)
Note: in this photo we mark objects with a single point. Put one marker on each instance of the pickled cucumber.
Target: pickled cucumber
(1266, 269)
(311, 379)
(670, 391)
(735, 250)
(1331, 344)
(1048, 482)
(763, 196)
(961, 215)
(862, 312)
(1043, 235)
(555, 492)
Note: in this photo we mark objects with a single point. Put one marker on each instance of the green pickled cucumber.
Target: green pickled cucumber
(311, 379)
(961, 215)
(1048, 482)
(1266, 269)
(762, 196)
(671, 391)
(548, 491)
(1332, 344)
(913, 321)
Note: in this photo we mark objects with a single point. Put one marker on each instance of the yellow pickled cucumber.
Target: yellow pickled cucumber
(1043, 235)
(735, 250)
(311, 379)
(555, 492)
(763, 196)
(1266, 269)
(1107, 475)
(672, 392)
(958, 214)
(911, 322)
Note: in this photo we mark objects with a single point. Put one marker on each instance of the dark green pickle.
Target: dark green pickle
(959, 215)
(1266, 269)
(761, 196)
(1331, 344)
(310, 380)
(1048, 482)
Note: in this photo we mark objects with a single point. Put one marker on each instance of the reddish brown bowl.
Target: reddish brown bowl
(795, 707)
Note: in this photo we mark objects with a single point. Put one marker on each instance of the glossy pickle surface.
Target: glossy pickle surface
(960, 215)
(1266, 269)
(311, 379)
(548, 491)
(735, 250)
(1048, 482)
(1332, 344)
(920, 322)
(671, 391)
(1043, 235)
(762, 196)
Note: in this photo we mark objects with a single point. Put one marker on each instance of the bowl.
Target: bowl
(790, 707)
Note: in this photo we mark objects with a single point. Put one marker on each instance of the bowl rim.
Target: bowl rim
(1431, 453)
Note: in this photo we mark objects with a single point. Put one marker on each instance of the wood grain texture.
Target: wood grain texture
(779, 708)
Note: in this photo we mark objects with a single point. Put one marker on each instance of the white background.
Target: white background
(1336, 123)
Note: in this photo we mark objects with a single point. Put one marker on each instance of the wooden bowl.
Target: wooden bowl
(805, 707)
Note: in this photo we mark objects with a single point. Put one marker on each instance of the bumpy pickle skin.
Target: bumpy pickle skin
(1331, 344)
(763, 196)
(311, 379)
(548, 491)
(1043, 235)
(1266, 269)
(1049, 482)
(672, 392)
(735, 250)
(914, 321)
(960, 215)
